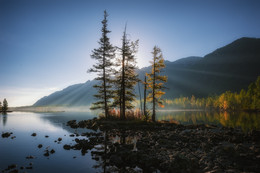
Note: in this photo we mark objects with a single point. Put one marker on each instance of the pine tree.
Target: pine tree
(104, 55)
(0, 106)
(117, 100)
(155, 80)
(126, 77)
(5, 106)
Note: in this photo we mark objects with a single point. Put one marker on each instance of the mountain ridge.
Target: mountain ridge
(231, 67)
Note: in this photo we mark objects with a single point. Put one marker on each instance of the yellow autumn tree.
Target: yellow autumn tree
(156, 81)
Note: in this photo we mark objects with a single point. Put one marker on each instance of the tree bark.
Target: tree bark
(145, 96)
(153, 116)
(123, 78)
(105, 91)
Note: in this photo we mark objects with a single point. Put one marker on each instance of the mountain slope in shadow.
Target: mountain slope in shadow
(231, 67)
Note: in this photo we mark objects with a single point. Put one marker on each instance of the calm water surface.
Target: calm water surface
(244, 120)
(15, 151)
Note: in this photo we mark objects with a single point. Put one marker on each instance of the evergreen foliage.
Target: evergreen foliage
(103, 68)
(156, 81)
(5, 106)
(125, 77)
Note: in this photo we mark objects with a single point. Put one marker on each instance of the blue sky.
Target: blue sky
(46, 45)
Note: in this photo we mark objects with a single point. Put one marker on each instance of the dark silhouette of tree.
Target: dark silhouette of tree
(117, 102)
(145, 88)
(126, 77)
(140, 98)
(155, 80)
(5, 106)
(0, 106)
(103, 68)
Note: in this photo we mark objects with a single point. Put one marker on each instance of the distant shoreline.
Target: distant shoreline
(56, 109)
(5, 111)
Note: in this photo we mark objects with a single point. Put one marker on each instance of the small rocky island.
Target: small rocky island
(138, 146)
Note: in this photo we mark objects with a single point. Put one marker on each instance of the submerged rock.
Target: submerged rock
(46, 153)
(33, 134)
(6, 134)
(52, 151)
(67, 147)
(14, 171)
(11, 166)
(30, 157)
(40, 146)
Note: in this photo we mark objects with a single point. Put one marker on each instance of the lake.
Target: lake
(15, 151)
(244, 120)
(51, 126)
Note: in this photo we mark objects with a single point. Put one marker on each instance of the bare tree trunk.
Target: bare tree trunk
(123, 77)
(105, 89)
(105, 153)
(153, 116)
(140, 97)
(145, 96)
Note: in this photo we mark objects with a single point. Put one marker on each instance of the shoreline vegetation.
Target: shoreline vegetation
(245, 100)
(5, 111)
(137, 111)
(167, 147)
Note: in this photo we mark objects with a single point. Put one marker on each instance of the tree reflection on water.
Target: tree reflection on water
(4, 117)
(102, 152)
(244, 120)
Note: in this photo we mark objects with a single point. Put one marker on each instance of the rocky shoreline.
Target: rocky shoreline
(137, 146)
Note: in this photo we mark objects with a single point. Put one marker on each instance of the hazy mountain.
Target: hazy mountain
(231, 67)
(75, 95)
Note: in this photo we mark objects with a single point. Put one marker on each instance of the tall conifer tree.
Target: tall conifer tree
(156, 81)
(103, 68)
(126, 77)
(5, 106)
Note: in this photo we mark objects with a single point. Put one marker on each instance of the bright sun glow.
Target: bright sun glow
(24, 96)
